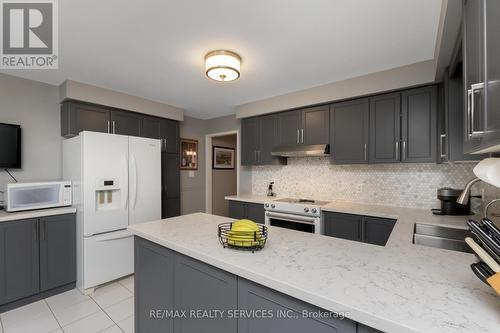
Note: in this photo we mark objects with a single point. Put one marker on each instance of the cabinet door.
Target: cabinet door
(154, 286)
(268, 139)
(237, 210)
(377, 230)
(255, 212)
(316, 125)
(57, 251)
(473, 51)
(125, 123)
(77, 117)
(171, 186)
(250, 141)
(169, 131)
(150, 127)
(419, 125)
(385, 128)
(170, 207)
(345, 226)
(349, 131)
(254, 297)
(199, 286)
(19, 260)
(290, 124)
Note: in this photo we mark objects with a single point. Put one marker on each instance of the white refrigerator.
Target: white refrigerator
(116, 183)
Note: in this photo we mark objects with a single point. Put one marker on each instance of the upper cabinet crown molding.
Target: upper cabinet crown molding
(73, 90)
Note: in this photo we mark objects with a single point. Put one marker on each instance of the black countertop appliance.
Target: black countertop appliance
(449, 206)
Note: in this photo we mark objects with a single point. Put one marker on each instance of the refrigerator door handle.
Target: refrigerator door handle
(133, 172)
(125, 194)
(115, 236)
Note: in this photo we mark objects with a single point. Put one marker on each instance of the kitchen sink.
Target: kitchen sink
(441, 237)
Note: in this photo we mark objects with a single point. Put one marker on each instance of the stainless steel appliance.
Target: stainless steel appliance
(297, 214)
(28, 196)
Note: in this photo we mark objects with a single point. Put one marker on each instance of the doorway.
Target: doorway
(222, 170)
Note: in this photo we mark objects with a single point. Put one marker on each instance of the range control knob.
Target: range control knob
(314, 210)
(306, 210)
(273, 206)
(267, 205)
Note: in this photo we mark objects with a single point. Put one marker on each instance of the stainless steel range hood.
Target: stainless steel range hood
(302, 150)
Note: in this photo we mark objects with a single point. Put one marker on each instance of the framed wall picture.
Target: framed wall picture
(223, 158)
(189, 154)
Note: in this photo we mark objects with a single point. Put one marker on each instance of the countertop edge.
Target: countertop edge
(30, 214)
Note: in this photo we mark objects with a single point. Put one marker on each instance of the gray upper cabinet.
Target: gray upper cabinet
(169, 132)
(199, 286)
(125, 123)
(259, 136)
(290, 125)
(57, 251)
(19, 259)
(77, 117)
(419, 125)
(254, 297)
(154, 286)
(268, 139)
(250, 141)
(349, 131)
(315, 125)
(150, 127)
(492, 76)
(385, 128)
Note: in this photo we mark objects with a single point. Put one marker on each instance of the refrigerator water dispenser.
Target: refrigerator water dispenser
(108, 194)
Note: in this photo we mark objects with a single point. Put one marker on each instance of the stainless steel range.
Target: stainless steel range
(298, 214)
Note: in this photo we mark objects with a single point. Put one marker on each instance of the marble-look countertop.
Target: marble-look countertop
(29, 214)
(258, 199)
(401, 287)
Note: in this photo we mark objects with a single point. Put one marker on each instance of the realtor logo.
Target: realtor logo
(29, 38)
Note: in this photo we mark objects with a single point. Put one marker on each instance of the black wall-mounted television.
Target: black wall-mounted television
(10, 146)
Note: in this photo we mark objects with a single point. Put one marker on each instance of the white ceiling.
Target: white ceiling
(155, 49)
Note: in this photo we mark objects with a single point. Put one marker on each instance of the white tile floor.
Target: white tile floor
(109, 310)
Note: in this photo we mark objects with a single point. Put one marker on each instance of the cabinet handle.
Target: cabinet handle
(114, 131)
(35, 228)
(468, 125)
(365, 152)
(397, 150)
(441, 149)
(404, 150)
(302, 134)
(475, 88)
(164, 144)
(43, 231)
(108, 127)
(298, 136)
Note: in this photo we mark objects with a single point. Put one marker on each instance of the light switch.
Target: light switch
(191, 174)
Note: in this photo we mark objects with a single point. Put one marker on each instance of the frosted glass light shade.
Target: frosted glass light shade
(222, 65)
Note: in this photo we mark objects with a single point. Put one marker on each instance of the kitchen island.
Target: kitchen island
(397, 288)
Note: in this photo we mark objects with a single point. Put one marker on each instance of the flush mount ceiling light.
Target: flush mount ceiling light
(222, 65)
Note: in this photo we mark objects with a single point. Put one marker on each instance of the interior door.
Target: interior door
(105, 182)
(144, 180)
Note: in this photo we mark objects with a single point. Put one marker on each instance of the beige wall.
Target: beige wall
(88, 93)
(223, 181)
(34, 106)
(401, 77)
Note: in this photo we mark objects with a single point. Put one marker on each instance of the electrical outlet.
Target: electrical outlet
(359, 188)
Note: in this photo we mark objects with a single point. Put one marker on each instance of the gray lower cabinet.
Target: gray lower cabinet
(367, 229)
(419, 125)
(154, 287)
(19, 260)
(199, 286)
(170, 191)
(247, 210)
(57, 251)
(254, 297)
(125, 123)
(168, 283)
(385, 128)
(37, 255)
(77, 117)
(349, 128)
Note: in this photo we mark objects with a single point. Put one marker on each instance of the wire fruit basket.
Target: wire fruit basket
(242, 240)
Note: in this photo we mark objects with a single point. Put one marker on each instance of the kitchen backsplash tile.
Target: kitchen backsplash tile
(404, 185)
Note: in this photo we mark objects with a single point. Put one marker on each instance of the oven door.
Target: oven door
(294, 222)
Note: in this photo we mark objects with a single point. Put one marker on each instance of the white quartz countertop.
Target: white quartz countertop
(397, 288)
(5, 216)
(258, 199)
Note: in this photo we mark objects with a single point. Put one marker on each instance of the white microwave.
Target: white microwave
(27, 196)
